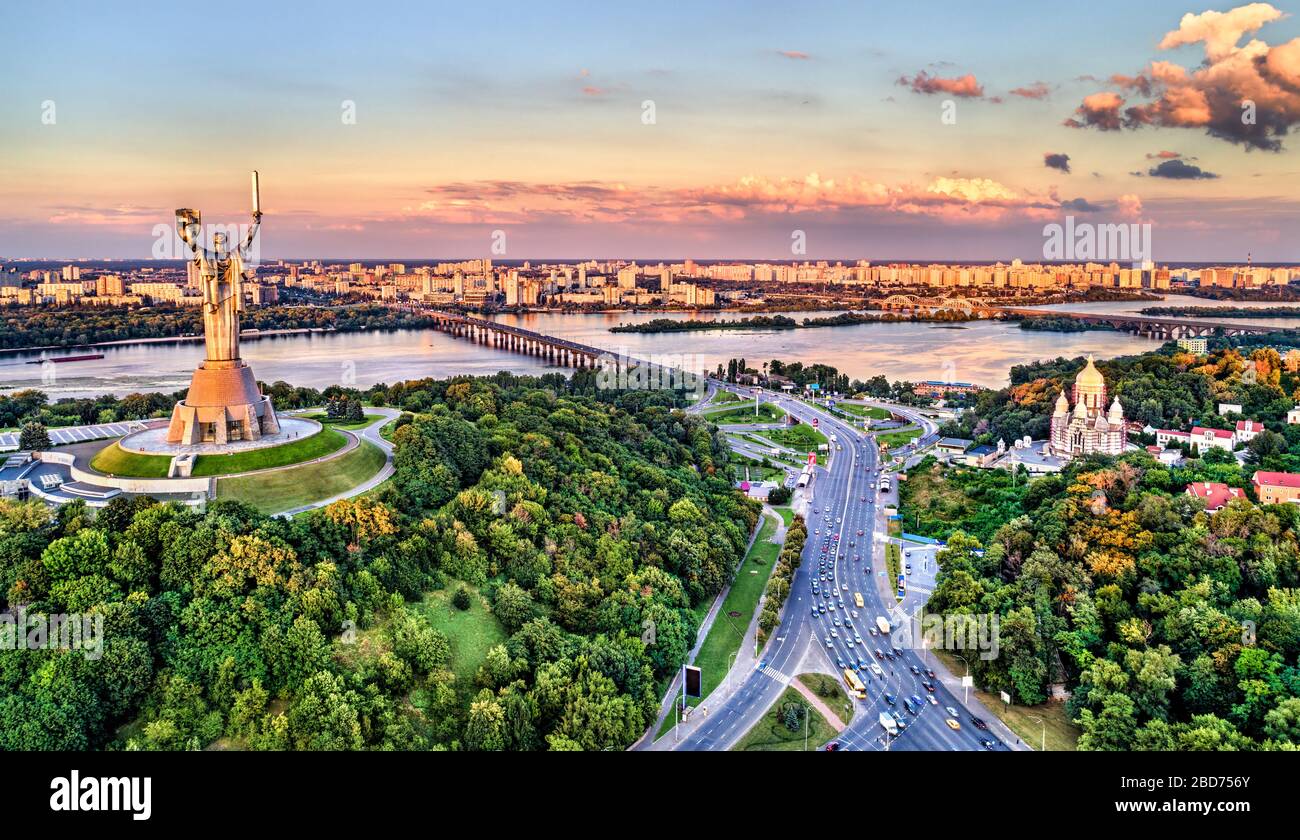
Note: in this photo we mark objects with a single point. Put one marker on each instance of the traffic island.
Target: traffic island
(791, 725)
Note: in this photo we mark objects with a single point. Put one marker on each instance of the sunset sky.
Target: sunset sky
(528, 118)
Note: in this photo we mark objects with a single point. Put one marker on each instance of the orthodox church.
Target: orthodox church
(1090, 427)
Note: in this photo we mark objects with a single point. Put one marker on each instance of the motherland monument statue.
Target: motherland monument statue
(224, 403)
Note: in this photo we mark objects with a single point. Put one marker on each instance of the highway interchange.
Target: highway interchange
(844, 515)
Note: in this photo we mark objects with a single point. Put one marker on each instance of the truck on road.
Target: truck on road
(888, 723)
(882, 625)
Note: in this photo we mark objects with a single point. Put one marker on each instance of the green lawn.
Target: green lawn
(894, 564)
(726, 397)
(832, 693)
(115, 460)
(864, 411)
(728, 630)
(323, 418)
(296, 486)
(771, 733)
(744, 413)
(756, 470)
(471, 632)
(1025, 721)
(801, 437)
(304, 449)
(896, 439)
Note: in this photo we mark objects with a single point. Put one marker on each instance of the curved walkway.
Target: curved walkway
(371, 434)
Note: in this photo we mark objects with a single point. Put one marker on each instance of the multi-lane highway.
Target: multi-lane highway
(846, 530)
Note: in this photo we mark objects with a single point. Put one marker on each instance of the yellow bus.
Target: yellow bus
(856, 688)
(857, 599)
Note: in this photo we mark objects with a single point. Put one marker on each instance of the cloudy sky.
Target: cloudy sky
(666, 130)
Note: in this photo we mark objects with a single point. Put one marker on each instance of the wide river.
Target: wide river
(978, 351)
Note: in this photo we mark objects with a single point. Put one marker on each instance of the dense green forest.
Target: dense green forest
(1171, 628)
(64, 326)
(572, 531)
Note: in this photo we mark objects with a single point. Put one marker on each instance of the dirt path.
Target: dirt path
(818, 704)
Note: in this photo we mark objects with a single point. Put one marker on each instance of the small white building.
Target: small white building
(1199, 438)
(1229, 408)
(1247, 430)
(1293, 416)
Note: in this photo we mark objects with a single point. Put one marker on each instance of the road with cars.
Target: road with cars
(822, 628)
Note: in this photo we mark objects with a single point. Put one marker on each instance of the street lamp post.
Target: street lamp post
(965, 683)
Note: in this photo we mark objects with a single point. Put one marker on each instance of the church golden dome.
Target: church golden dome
(1090, 377)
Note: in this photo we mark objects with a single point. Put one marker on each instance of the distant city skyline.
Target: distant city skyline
(584, 132)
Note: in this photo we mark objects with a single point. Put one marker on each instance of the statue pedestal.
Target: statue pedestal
(223, 404)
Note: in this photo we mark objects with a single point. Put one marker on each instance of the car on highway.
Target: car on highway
(902, 721)
(950, 710)
(987, 744)
(889, 655)
(916, 670)
(934, 701)
(897, 650)
(835, 634)
(844, 587)
(875, 669)
(854, 613)
(857, 638)
(890, 699)
(879, 655)
(978, 723)
(837, 622)
(927, 685)
(953, 725)
(833, 746)
(929, 673)
(839, 663)
(829, 643)
(859, 532)
(814, 612)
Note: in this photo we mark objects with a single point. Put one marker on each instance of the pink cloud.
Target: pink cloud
(796, 55)
(1220, 95)
(966, 86)
(514, 202)
(1038, 90)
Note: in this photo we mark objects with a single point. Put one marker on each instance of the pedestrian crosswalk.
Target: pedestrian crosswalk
(775, 674)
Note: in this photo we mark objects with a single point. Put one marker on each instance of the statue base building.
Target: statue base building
(223, 405)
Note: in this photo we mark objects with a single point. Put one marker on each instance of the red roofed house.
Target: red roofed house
(1247, 429)
(1199, 438)
(1276, 487)
(1216, 494)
